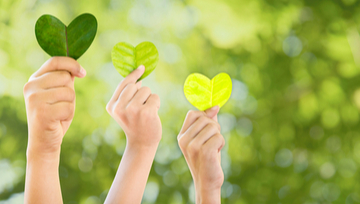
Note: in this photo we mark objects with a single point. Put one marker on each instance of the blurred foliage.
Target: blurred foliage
(291, 124)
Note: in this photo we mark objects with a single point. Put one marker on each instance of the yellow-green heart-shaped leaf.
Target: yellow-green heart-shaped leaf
(204, 93)
(57, 39)
(126, 58)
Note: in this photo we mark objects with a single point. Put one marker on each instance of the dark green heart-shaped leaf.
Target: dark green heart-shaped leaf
(204, 93)
(56, 39)
(126, 58)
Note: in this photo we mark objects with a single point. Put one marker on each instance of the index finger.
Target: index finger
(61, 64)
(190, 118)
(131, 78)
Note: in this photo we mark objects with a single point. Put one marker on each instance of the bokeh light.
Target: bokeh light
(291, 125)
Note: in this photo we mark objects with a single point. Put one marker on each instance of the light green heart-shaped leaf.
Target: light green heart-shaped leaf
(126, 58)
(57, 39)
(204, 93)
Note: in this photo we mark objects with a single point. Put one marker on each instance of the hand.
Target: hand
(200, 141)
(50, 103)
(135, 109)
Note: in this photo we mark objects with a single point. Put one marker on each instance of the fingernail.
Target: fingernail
(83, 71)
(214, 108)
(141, 68)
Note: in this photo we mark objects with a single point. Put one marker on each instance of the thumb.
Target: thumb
(212, 112)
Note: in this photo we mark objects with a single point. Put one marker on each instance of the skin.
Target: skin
(50, 104)
(200, 141)
(135, 109)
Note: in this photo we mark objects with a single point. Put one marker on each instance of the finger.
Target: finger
(59, 94)
(126, 95)
(141, 96)
(62, 111)
(138, 84)
(214, 143)
(212, 112)
(153, 101)
(204, 135)
(190, 118)
(201, 126)
(54, 79)
(61, 63)
(131, 78)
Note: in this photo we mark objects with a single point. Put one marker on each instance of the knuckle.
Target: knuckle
(76, 66)
(69, 111)
(182, 143)
(156, 97)
(115, 108)
(204, 119)
(121, 115)
(193, 148)
(65, 76)
(220, 139)
(72, 108)
(157, 100)
(26, 87)
(109, 108)
(130, 88)
(191, 114)
(218, 126)
(31, 77)
(213, 127)
(71, 94)
(146, 89)
(53, 61)
(33, 96)
(132, 109)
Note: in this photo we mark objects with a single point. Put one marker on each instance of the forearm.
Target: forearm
(42, 183)
(131, 177)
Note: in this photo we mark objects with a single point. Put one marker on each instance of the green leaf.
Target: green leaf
(204, 93)
(57, 39)
(126, 58)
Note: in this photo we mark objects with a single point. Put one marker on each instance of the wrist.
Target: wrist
(39, 153)
(140, 148)
(43, 144)
(208, 196)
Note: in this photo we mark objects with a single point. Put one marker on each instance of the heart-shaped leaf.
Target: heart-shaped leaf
(204, 93)
(126, 58)
(57, 39)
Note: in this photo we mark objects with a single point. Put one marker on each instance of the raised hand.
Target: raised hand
(50, 106)
(135, 109)
(200, 141)
(50, 102)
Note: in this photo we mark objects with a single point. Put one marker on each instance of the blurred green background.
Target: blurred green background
(291, 125)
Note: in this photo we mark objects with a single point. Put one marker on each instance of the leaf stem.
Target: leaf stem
(211, 91)
(67, 47)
